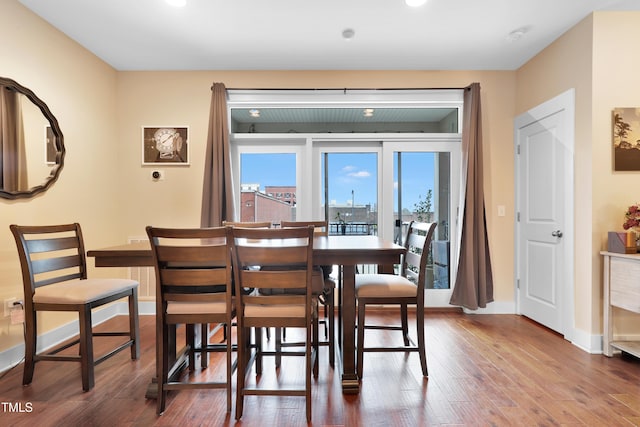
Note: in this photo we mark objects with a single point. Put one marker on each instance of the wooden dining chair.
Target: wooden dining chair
(193, 286)
(404, 289)
(54, 276)
(327, 297)
(285, 256)
(245, 224)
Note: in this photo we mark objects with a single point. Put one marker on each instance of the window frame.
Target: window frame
(308, 149)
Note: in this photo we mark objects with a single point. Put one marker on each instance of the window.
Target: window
(372, 179)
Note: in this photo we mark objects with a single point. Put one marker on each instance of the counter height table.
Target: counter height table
(347, 251)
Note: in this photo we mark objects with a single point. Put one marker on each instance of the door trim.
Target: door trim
(566, 102)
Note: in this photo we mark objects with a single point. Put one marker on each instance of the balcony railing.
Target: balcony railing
(353, 229)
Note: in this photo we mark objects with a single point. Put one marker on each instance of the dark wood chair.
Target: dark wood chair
(327, 296)
(193, 287)
(404, 289)
(54, 275)
(285, 258)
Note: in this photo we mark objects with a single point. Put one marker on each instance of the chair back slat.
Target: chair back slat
(267, 279)
(203, 252)
(320, 228)
(47, 265)
(244, 224)
(51, 244)
(272, 256)
(193, 277)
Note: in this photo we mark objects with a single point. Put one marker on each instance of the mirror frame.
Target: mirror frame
(58, 141)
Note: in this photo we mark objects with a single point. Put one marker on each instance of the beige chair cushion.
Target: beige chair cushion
(189, 307)
(79, 291)
(258, 310)
(384, 285)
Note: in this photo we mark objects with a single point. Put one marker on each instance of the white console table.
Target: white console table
(621, 289)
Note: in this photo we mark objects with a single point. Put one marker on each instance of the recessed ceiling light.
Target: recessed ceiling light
(177, 3)
(368, 112)
(254, 112)
(415, 3)
(348, 34)
(517, 34)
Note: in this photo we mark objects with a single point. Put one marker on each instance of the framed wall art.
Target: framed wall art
(50, 149)
(165, 145)
(626, 139)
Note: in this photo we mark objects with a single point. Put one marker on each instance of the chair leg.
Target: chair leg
(204, 342)
(162, 367)
(405, 324)
(227, 334)
(332, 329)
(243, 349)
(134, 325)
(421, 342)
(258, 343)
(86, 348)
(190, 330)
(315, 340)
(360, 345)
(308, 366)
(31, 340)
(278, 332)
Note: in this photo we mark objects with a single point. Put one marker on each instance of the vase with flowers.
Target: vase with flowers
(632, 221)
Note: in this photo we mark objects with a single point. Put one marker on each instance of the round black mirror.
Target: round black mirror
(31, 143)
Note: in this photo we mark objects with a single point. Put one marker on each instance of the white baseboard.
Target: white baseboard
(587, 342)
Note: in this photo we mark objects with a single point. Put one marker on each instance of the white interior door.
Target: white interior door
(544, 247)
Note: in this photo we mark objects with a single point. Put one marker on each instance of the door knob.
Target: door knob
(556, 233)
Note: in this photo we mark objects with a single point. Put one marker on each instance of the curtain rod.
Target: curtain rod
(350, 89)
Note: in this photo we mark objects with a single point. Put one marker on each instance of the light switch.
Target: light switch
(501, 210)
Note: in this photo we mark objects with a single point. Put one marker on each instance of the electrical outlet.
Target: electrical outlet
(8, 305)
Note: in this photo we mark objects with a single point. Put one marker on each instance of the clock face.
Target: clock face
(166, 141)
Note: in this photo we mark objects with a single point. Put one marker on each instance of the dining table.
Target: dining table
(346, 251)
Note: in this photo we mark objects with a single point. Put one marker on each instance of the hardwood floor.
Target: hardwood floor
(493, 370)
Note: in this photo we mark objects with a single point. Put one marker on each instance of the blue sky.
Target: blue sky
(347, 172)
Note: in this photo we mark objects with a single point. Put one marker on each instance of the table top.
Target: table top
(345, 250)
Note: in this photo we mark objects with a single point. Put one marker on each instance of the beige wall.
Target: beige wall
(564, 65)
(80, 91)
(603, 78)
(616, 83)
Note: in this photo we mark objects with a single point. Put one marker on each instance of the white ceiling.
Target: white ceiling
(305, 35)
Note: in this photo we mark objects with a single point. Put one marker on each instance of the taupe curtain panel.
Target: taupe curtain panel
(217, 191)
(13, 158)
(474, 281)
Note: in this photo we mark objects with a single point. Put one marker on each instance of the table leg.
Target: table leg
(350, 384)
(152, 388)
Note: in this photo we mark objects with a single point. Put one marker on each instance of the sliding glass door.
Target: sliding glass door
(349, 194)
(425, 182)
